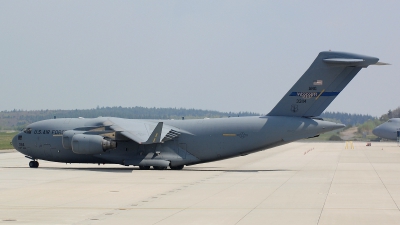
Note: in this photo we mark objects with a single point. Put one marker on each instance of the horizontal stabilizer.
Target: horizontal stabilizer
(381, 64)
(344, 61)
(352, 62)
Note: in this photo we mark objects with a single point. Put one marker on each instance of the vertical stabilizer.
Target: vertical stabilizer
(327, 76)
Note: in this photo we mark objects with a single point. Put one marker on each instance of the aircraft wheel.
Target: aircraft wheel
(144, 167)
(159, 167)
(176, 167)
(33, 164)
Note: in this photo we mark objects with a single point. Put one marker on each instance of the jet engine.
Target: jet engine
(67, 138)
(91, 144)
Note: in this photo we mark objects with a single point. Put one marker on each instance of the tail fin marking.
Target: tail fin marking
(327, 76)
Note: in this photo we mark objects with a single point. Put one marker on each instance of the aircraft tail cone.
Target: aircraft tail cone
(329, 126)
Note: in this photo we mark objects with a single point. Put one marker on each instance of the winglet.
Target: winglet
(155, 136)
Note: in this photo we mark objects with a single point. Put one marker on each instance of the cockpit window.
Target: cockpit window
(389, 121)
(27, 130)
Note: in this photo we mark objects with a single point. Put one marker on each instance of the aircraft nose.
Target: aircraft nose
(14, 141)
(376, 131)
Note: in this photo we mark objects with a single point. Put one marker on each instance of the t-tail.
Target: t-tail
(327, 76)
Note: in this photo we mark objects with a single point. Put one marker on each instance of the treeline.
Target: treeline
(18, 119)
(367, 127)
(391, 114)
(347, 118)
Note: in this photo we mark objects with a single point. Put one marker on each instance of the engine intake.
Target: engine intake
(91, 144)
(67, 138)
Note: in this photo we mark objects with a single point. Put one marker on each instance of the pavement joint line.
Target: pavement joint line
(151, 199)
(196, 208)
(384, 161)
(37, 184)
(217, 175)
(188, 207)
(330, 186)
(254, 208)
(381, 181)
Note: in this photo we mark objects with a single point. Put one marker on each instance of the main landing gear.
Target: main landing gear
(144, 167)
(160, 167)
(176, 167)
(33, 164)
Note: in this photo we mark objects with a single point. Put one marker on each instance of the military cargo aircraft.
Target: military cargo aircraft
(389, 130)
(176, 143)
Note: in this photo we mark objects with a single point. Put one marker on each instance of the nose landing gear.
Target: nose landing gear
(33, 164)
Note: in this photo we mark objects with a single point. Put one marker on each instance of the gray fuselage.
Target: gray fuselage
(388, 130)
(200, 140)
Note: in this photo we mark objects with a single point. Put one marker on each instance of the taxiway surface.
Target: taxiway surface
(299, 183)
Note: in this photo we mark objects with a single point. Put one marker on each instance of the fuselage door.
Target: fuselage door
(47, 151)
(182, 150)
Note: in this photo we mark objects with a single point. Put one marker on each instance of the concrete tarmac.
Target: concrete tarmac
(298, 183)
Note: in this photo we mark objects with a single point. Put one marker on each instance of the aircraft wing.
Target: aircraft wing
(143, 131)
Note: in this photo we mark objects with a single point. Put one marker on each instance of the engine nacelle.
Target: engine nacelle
(91, 144)
(67, 138)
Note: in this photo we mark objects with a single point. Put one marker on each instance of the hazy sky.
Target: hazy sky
(219, 55)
